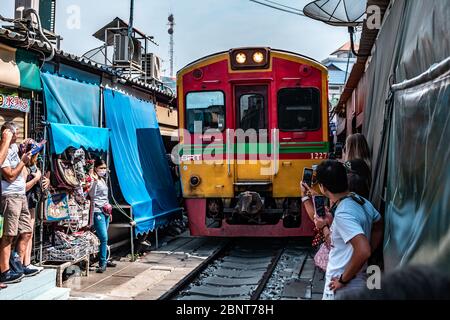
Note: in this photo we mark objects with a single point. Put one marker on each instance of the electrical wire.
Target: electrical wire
(116, 204)
(299, 13)
(43, 35)
(27, 40)
(284, 6)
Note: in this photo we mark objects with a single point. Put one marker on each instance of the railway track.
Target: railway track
(244, 269)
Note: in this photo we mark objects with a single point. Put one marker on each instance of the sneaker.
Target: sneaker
(101, 269)
(111, 264)
(29, 272)
(11, 277)
(146, 243)
(33, 267)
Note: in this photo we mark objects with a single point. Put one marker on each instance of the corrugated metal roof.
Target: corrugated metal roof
(39, 45)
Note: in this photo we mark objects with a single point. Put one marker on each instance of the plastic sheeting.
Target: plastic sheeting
(418, 208)
(91, 138)
(71, 102)
(140, 160)
(409, 134)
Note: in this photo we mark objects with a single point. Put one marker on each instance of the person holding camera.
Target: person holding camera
(355, 232)
(35, 184)
(5, 141)
(102, 211)
(14, 208)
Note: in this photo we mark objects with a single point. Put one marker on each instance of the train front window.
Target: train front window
(205, 111)
(252, 112)
(299, 109)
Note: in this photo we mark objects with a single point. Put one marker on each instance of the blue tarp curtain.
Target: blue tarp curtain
(140, 161)
(65, 135)
(71, 102)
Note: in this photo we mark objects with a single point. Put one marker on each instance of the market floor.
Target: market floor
(149, 277)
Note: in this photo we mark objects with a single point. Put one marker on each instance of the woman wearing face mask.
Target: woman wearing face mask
(102, 211)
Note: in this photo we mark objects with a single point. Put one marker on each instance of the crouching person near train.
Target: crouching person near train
(356, 231)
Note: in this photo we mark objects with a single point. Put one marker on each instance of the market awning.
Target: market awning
(140, 160)
(71, 102)
(19, 68)
(66, 135)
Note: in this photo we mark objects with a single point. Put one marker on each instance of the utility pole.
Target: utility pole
(171, 25)
(130, 23)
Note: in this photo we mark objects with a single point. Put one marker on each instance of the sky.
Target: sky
(202, 27)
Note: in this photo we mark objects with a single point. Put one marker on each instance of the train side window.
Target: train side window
(205, 109)
(299, 109)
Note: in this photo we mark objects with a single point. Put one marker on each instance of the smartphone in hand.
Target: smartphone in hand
(307, 176)
(319, 206)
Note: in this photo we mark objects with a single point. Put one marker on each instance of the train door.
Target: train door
(251, 110)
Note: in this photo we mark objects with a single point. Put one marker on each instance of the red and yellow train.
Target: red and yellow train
(250, 120)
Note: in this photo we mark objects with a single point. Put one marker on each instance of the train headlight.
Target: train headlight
(241, 58)
(258, 57)
(194, 181)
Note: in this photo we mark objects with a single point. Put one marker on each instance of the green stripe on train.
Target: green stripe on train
(254, 148)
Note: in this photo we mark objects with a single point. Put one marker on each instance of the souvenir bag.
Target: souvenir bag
(65, 174)
(57, 207)
(321, 257)
(78, 160)
(79, 215)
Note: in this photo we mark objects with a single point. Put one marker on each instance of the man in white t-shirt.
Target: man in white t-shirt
(14, 207)
(356, 231)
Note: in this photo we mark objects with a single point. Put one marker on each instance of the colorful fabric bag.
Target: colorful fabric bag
(321, 257)
(57, 207)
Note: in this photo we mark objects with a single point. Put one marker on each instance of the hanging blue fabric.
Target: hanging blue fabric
(140, 160)
(66, 135)
(71, 102)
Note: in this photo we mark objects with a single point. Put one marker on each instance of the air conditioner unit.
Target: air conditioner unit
(151, 63)
(156, 67)
(137, 52)
(121, 49)
(126, 51)
(21, 5)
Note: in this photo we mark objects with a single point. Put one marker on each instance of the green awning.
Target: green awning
(19, 68)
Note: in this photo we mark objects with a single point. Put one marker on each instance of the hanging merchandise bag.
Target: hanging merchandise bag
(57, 207)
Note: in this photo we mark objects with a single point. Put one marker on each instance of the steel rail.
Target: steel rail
(183, 283)
(267, 275)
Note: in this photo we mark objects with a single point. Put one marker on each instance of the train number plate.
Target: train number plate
(319, 155)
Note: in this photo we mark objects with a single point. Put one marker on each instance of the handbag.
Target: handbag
(321, 257)
(107, 209)
(57, 207)
(65, 174)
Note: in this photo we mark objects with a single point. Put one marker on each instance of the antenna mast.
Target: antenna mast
(171, 25)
